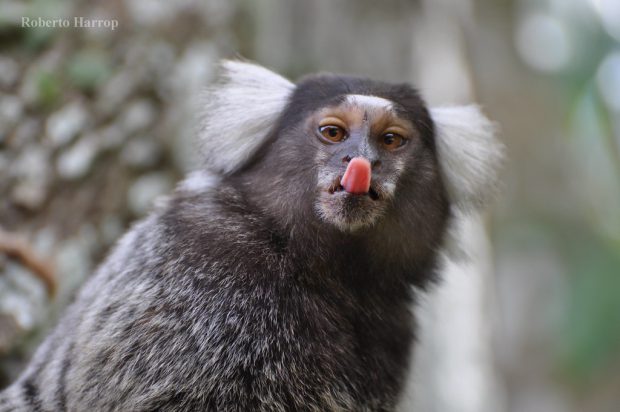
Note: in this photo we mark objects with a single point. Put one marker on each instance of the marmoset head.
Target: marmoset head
(349, 152)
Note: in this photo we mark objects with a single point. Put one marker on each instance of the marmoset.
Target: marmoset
(282, 275)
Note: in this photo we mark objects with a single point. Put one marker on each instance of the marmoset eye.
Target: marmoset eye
(333, 133)
(392, 141)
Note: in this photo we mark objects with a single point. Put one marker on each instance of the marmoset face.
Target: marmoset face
(363, 137)
(366, 145)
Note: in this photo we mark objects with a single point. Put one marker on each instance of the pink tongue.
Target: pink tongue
(356, 179)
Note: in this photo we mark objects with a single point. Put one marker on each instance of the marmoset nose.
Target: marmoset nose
(374, 164)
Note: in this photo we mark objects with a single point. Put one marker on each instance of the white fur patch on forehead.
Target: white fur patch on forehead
(369, 102)
(469, 154)
(238, 112)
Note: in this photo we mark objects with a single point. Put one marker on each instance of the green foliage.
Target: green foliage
(36, 38)
(589, 336)
(48, 89)
(589, 339)
(88, 69)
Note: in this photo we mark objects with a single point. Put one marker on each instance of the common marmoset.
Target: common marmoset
(281, 276)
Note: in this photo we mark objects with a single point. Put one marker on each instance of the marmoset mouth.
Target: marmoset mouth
(336, 187)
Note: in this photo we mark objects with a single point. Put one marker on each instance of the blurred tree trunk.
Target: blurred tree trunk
(453, 367)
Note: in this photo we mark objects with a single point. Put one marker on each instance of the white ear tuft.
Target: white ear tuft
(238, 113)
(469, 152)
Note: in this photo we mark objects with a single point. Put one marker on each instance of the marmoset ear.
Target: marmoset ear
(239, 110)
(469, 153)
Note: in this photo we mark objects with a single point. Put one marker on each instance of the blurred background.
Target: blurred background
(95, 123)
